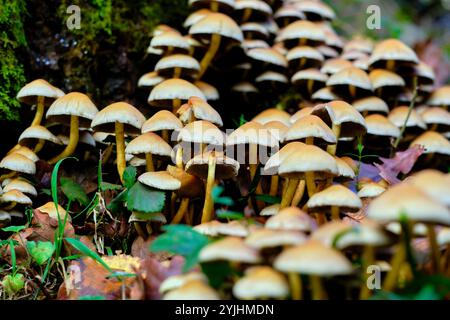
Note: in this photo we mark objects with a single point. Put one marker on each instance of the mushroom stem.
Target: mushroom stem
(396, 262)
(7, 176)
(214, 6)
(149, 162)
(390, 65)
(434, 252)
(289, 193)
(179, 157)
(368, 258)
(274, 180)
(318, 293)
(335, 213)
(246, 15)
(139, 230)
(165, 135)
(209, 55)
(107, 153)
(148, 227)
(208, 206)
(299, 192)
(120, 149)
(181, 211)
(176, 103)
(11, 206)
(352, 90)
(310, 86)
(331, 149)
(39, 111)
(73, 141)
(177, 73)
(38, 147)
(295, 282)
(310, 184)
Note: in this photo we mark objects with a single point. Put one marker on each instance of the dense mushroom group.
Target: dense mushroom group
(347, 93)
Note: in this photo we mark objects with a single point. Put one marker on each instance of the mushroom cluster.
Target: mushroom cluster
(326, 226)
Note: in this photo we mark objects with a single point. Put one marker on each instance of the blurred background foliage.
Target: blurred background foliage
(107, 55)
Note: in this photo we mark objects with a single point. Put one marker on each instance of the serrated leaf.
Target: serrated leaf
(73, 191)
(40, 251)
(143, 199)
(13, 229)
(129, 177)
(183, 240)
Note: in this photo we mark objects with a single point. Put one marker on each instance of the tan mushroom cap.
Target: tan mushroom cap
(200, 110)
(268, 55)
(272, 77)
(327, 51)
(371, 104)
(277, 129)
(354, 55)
(367, 233)
(217, 23)
(252, 132)
(275, 160)
(434, 183)
(19, 163)
(379, 125)
(303, 112)
(315, 7)
(335, 195)
(191, 186)
(288, 11)
(176, 281)
(15, 196)
(301, 29)
(137, 162)
(150, 79)
(329, 232)
(410, 201)
(443, 237)
(440, 97)
(272, 114)
(24, 151)
(210, 228)
(425, 73)
(418, 230)
(193, 290)
(269, 238)
(304, 52)
(256, 5)
(201, 131)
(234, 228)
(72, 104)
(5, 218)
(253, 44)
(161, 180)
(21, 185)
(433, 142)
(171, 89)
(371, 190)
(309, 74)
(350, 76)
(310, 126)
(197, 15)
(313, 258)
(244, 87)
(333, 66)
(324, 94)
(229, 249)
(345, 170)
(148, 143)
(210, 92)
(393, 49)
(50, 209)
(171, 38)
(121, 112)
(261, 282)
(436, 115)
(226, 167)
(182, 61)
(162, 120)
(308, 158)
(384, 78)
(398, 116)
(270, 210)
(40, 87)
(360, 44)
(290, 218)
(36, 133)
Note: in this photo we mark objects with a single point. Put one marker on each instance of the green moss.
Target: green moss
(12, 38)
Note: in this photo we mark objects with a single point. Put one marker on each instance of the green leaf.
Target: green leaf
(73, 191)
(218, 272)
(427, 293)
(105, 186)
(13, 283)
(129, 177)
(116, 204)
(143, 199)
(46, 191)
(231, 215)
(13, 229)
(183, 240)
(40, 251)
(268, 198)
(216, 192)
(142, 217)
(8, 242)
(89, 297)
(13, 256)
(80, 246)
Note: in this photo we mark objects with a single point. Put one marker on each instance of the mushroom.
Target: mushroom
(37, 135)
(391, 53)
(148, 145)
(211, 165)
(370, 105)
(121, 118)
(309, 81)
(15, 162)
(232, 249)
(290, 218)
(163, 121)
(192, 290)
(351, 81)
(177, 281)
(198, 109)
(41, 92)
(21, 185)
(80, 110)
(14, 197)
(178, 66)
